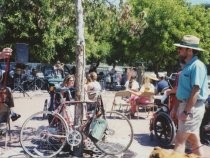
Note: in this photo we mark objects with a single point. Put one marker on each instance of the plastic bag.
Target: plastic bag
(97, 128)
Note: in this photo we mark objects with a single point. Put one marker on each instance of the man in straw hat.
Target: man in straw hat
(192, 92)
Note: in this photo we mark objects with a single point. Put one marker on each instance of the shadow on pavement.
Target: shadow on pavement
(145, 140)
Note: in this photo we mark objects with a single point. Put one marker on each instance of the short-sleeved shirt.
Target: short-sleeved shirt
(193, 73)
(134, 85)
(162, 84)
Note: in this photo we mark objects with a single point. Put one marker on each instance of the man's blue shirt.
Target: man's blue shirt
(193, 73)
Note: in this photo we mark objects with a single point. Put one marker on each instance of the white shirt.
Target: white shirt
(134, 86)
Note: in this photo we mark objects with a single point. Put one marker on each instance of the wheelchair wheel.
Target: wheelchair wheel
(116, 139)
(164, 129)
(43, 137)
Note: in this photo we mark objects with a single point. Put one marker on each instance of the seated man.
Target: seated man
(5, 92)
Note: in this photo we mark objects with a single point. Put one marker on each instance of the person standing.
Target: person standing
(6, 95)
(192, 92)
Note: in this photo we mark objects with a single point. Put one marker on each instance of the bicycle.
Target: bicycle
(46, 136)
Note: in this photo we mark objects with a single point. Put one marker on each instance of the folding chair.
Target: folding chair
(146, 103)
(5, 122)
(121, 100)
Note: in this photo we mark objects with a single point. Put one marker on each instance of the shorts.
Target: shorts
(193, 122)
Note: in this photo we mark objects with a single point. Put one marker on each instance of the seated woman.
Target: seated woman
(147, 90)
(92, 89)
(93, 86)
(132, 84)
(69, 83)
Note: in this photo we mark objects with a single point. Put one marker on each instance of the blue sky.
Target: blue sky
(192, 1)
(200, 1)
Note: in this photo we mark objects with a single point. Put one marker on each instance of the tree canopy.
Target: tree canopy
(133, 32)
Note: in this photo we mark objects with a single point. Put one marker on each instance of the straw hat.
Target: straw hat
(189, 41)
(151, 76)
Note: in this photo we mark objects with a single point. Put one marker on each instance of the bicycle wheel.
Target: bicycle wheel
(118, 135)
(43, 137)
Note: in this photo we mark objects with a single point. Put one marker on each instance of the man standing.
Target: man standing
(192, 92)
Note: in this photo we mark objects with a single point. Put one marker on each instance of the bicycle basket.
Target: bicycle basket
(97, 128)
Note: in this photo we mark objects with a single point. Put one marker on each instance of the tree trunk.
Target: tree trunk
(80, 72)
(80, 60)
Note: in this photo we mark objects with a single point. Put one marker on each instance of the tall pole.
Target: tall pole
(80, 71)
(80, 57)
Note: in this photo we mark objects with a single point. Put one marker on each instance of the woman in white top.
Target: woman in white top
(94, 86)
(132, 84)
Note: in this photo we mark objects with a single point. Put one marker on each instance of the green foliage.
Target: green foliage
(138, 31)
(167, 22)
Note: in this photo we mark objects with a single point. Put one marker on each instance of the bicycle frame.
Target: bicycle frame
(59, 129)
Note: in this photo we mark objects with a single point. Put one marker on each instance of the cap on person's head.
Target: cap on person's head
(190, 41)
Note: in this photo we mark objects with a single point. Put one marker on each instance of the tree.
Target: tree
(167, 22)
(80, 59)
(47, 26)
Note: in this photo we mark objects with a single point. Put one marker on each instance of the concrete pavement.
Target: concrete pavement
(141, 146)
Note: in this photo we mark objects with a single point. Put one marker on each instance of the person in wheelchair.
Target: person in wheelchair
(147, 90)
(5, 92)
(162, 84)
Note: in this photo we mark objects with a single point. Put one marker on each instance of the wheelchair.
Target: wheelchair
(164, 127)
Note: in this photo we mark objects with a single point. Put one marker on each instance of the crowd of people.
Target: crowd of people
(191, 91)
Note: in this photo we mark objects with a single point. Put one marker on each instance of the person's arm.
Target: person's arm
(6, 53)
(134, 92)
(193, 98)
(191, 102)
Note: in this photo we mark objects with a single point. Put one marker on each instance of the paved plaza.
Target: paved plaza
(141, 146)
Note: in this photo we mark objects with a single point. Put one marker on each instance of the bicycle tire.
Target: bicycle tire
(43, 137)
(118, 135)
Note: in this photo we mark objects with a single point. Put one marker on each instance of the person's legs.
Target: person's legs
(180, 141)
(10, 102)
(194, 140)
(133, 105)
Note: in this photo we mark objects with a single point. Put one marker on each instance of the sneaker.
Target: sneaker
(15, 117)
